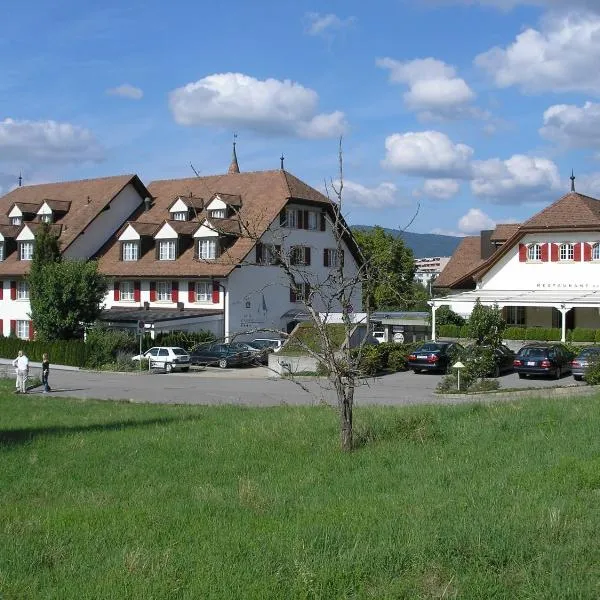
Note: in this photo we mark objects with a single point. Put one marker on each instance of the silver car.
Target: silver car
(583, 360)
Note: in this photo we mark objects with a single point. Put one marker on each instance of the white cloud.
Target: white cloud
(516, 180)
(126, 90)
(562, 56)
(319, 24)
(572, 125)
(451, 232)
(47, 141)
(434, 91)
(430, 154)
(474, 221)
(384, 195)
(588, 184)
(235, 100)
(441, 189)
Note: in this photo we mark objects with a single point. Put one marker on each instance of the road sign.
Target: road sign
(141, 326)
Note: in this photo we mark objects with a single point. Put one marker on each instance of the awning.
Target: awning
(571, 297)
(296, 313)
(129, 316)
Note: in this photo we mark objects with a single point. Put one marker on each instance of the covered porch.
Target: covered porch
(564, 308)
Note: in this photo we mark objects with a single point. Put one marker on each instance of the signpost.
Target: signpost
(140, 329)
(458, 366)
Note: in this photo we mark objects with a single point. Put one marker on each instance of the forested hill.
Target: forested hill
(422, 244)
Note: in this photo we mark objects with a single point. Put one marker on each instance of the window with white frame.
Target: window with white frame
(203, 291)
(332, 257)
(300, 255)
(207, 248)
(47, 218)
(22, 290)
(596, 252)
(567, 252)
(180, 216)
(163, 291)
(131, 250)
(127, 291)
(514, 315)
(23, 330)
(26, 250)
(166, 250)
(300, 292)
(312, 220)
(1, 251)
(291, 218)
(534, 252)
(16, 220)
(217, 213)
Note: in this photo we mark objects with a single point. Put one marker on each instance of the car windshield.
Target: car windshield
(534, 352)
(263, 343)
(179, 351)
(430, 348)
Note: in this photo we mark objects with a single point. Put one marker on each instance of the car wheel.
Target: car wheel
(168, 367)
(185, 369)
(522, 375)
(577, 377)
(223, 363)
(416, 371)
(558, 373)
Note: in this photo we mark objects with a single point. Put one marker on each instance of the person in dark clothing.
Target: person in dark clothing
(45, 372)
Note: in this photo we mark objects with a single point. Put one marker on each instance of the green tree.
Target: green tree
(390, 270)
(446, 316)
(486, 325)
(63, 293)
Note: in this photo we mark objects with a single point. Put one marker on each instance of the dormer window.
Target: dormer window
(180, 216)
(25, 250)
(566, 252)
(16, 220)
(1, 251)
(207, 248)
(131, 251)
(46, 218)
(166, 250)
(217, 213)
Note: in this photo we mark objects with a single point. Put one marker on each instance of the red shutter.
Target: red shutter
(191, 291)
(13, 290)
(587, 251)
(522, 252)
(554, 252)
(292, 294)
(577, 251)
(174, 291)
(153, 291)
(13, 327)
(215, 292)
(2, 327)
(116, 292)
(136, 291)
(31, 330)
(325, 257)
(544, 252)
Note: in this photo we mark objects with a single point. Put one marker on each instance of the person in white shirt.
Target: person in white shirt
(21, 363)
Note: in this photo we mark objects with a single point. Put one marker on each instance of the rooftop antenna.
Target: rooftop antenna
(20, 179)
(282, 158)
(572, 180)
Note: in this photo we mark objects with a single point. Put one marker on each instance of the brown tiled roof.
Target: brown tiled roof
(58, 205)
(231, 199)
(190, 202)
(25, 207)
(227, 226)
(504, 231)
(263, 194)
(466, 257)
(55, 228)
(87, 198)
(141, 228)
(10, 231)
(572, 210)
(184, 227)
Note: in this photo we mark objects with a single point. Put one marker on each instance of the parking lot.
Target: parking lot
(254, 386)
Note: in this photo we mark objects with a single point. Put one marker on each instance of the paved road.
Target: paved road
(254, 387)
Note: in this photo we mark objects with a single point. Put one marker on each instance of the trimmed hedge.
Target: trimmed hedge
(539, 334)
(64, 352)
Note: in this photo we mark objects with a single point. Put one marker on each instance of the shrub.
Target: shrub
(396, 360)
(62, 352)
(451, 331)
(597, 335)
(514, 333)
(446, 316)
(370, 360)
(184, 339)
(104, 345)
(592, 373)
(579, 334)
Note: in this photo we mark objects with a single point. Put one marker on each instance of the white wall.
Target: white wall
(105, 224)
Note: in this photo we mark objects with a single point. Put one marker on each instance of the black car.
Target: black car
(503, 358)
(222, 355)
(434, 356)
(260, 355)
(543, 359)
(583, 360)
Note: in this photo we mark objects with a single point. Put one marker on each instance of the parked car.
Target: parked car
(503, 359)
(169, 358)
(434, 356)
(260, 355)
(274, 344)
(222, 355)
(583, 360)
(553, 360)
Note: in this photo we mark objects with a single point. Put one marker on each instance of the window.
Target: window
(300, 255)
(180, 216)
(130, 250)
(26, 250)
(22, 290)
(556, 318)
(203, 291)
(23, 330)
(166, 250)
(514, 315)
(218, 213)
(291, 218)
(312, 220)
(567, 252)
(16, 220)
(126, 291)
(332, 257)
(1, 251)
(300, 292)
(163, 291)
(534, 252)
(207, 248)
(596, 252)
(267, 254)
(46, 218)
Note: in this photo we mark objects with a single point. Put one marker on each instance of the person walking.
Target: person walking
(45, 372)
(21, 363)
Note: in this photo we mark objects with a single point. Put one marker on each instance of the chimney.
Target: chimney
(147, 203)
(487, 248)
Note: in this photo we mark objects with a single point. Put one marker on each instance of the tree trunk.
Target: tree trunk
(345, 399)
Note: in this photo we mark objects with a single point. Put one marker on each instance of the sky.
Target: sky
(454, 115)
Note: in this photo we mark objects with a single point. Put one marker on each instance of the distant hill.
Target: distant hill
(422, 244)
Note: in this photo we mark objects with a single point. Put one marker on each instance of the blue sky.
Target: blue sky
(474, 111)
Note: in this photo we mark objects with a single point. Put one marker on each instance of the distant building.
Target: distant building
(427, 269)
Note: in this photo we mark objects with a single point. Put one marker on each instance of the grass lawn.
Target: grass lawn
(104, 500)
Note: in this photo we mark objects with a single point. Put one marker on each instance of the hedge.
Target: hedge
(65, 352)
(540, 334)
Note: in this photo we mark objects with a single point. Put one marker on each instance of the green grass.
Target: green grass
(306, 336)
(114, 500)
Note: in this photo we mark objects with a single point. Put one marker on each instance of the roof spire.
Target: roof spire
(20, 179)
(572, 180)
(282, 158)
(234, 167)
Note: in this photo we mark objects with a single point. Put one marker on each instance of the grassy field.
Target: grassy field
(106, 500)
